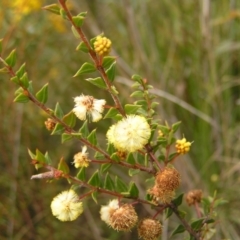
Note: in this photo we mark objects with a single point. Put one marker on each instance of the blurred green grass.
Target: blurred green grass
(190, 50)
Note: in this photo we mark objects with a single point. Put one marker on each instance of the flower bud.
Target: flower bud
(182, 146)
(193, 197)
(168, 178)
(50, 124)
(123, 218)
(102, 46)
(149, 229)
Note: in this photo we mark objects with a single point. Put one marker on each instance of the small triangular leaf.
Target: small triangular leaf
(120, 185)
(108, 183)
(82, 174)
(70, 119)
(53, 8)
(132, 172)
(131, 108)
(62, 166)
(94, 180)
(84, 129)
(179, 229)
(42, 94)
(58, 129)
(97, 82)
(21, 98)
(82, 47)
(133, 190)
(112, 112)
(105, 167)
(178, 200)
(85, 68)
(58, 111)
(11, 58)
(66, 137)
(108, 61)
(92, 138)
(111, 71)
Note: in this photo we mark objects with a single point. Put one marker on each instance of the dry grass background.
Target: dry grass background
(188, 50)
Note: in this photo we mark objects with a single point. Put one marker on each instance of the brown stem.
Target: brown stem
(97, 61)
(184, 222)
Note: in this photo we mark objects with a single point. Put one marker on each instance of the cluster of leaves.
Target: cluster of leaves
(101, 181)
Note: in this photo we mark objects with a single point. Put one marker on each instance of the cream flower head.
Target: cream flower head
(88, 105)
(66, 206)
(130, 134)
(106, 211)
(81, 158)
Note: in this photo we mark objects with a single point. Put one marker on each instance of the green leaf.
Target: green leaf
(111, 72)
(83, 14)
(112, 112)
(108, 183)
(172, 155)
(78, 20)
(175, 126)
(132, 172)
(24, 80)
(47, 158)
(82, 47)
(15, 80)
(197, 225)
(40, 158)
(111, 149)
(30, 87)
(165, 130)
(136, 85)
(99, 156)
(105, 167)
(42, 94)
(120, 185)
(85, 68)
(84, 129)
(108, 61)
(94, 180)
(70, 119)
(58, 111)
(63, 13)
(169, 212)
(59, 129)
(137, 93)
(4, 70)
(130, 159)
(178, 200)
(11, 58)
(92, 138)
(21, 98)
(53, 8)
(131, 108)
(179, 229)
(182, 214)
(75, 32)
(154, 104)
(82, 174)
(62, 166)
(94, 196)
(66, 137)
(133, 190)
(140, 158)
(97, 82)
(31, 154)
(137, 78)
(21, 71)
(115, 157)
